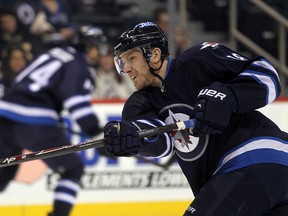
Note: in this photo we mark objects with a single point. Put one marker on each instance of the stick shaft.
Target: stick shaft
(48, 153)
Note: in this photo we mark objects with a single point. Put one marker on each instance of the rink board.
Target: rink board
(125, 186)
(106, 209)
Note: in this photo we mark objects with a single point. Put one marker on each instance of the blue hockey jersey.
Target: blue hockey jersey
(250, 138)
(56, 80)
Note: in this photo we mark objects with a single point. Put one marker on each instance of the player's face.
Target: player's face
(136, 68)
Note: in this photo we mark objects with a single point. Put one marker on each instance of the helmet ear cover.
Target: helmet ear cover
(146, 51)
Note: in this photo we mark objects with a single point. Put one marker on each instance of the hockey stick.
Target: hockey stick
(47, 153)
(165, 166)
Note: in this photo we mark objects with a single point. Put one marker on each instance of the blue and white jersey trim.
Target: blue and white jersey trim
(254, 151)
(72, 101)
(82, 112)
(79, 106)
(28, 115)
(169, 143)
(263, 63)
(66, 191)
(264, 79)
(69, 184)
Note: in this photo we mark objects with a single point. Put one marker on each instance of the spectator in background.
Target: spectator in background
(182, 40)
(53, 16)
(161, 18)
(182, 37)
(109, 85)
(13, 61)
(12, 34)
(23, 9)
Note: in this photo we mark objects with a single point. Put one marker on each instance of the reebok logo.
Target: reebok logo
(191, 210)
(212, 93)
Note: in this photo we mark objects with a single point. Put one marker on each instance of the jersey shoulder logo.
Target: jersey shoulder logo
(236, 56)
(208, 44)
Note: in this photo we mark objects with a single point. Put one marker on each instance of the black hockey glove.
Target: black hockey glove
(122, 139)
(213, 109)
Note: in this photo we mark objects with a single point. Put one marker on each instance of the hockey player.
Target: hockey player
(235, 159)
(30, 112)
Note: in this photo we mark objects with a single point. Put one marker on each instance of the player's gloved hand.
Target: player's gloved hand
(122, 139)
(213, 109)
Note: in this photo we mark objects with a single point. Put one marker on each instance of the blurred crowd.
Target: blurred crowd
(27, 27)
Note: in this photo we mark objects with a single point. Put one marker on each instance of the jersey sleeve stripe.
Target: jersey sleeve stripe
(28, 111)
(258, 150)
(169, 149)
(72, 101)
(169, 143)
(39, 120)
(265, 80)
(29, 115)
(150, 123)
(264, 64)
(69, 184)
(82, 112)
(65, 197)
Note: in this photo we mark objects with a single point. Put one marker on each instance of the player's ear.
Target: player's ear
(156, 55)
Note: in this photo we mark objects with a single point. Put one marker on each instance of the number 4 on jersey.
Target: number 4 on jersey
(42, 75)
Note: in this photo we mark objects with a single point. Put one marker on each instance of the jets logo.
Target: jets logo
(187, 147)
(183, 139)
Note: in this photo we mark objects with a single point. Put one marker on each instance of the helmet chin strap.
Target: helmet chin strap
(153, 72)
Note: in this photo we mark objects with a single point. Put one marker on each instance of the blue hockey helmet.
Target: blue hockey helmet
(88, 35)
(144, 36)
(80, 37)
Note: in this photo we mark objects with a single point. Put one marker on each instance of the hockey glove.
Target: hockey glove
(213, 108)
(122, 139)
